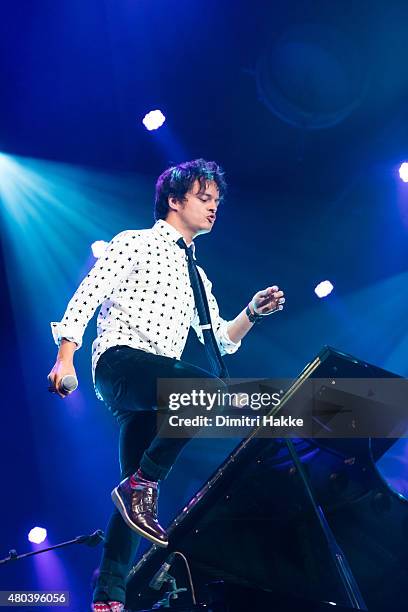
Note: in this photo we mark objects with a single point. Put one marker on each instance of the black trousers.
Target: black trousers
(127, 380)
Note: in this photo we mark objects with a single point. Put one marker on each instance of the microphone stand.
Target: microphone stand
(90, 540)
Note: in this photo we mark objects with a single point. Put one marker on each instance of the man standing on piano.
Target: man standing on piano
(151, 291)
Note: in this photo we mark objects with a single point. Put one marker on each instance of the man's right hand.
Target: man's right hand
(60, 369)
(64, 366)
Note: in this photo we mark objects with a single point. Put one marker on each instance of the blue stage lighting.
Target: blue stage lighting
(98, 248)
(153, 120)
(37, 535)
(323, 289)
(403, 172)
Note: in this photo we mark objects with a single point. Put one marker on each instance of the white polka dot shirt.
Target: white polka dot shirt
(143, 287)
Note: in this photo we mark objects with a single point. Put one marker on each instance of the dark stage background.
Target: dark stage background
(303, 104)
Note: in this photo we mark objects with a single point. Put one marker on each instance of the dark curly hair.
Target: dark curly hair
(178, 180)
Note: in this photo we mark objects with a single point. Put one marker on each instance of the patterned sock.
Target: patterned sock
(100, 606)
(139, 475)
(107, 606)
(116, 606)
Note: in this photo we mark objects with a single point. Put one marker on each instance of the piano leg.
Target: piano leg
(350, 586)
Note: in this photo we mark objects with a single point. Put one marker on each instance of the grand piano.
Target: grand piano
(290, 523)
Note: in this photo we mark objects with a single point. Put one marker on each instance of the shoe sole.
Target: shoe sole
(122, 509)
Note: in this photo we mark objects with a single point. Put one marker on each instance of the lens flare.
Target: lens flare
(98, 248)
(403, 172)
(153, 120)
(37, 535)
(323, 289)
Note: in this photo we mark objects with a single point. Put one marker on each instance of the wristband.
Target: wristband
(253, 317)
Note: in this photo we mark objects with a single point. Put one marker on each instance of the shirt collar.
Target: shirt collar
(169, 233)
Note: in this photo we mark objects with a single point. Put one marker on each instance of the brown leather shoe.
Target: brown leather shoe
(136, 500)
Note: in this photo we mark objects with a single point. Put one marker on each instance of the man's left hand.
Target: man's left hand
(267, 301)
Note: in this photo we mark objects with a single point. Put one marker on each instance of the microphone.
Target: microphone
(68, 383)
(160, 576)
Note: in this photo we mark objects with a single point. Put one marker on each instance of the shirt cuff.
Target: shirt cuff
(227, 346)
(69, 332)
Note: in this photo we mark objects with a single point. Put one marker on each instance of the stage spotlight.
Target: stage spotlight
(37, 535)
(403, 172)
(323, 289)
(153, 120)
(98, 248)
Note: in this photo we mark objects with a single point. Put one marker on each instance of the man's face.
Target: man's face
(198, 210)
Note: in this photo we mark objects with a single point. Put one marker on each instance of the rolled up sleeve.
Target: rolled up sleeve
(62, 330)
